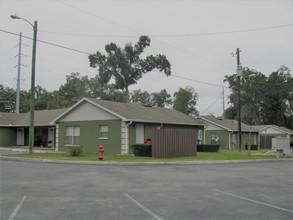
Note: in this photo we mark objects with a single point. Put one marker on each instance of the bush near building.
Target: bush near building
(142, 150)
(208, 147)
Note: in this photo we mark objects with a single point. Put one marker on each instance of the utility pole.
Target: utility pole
(18, 75)
(223, 92)
(32, 91)
(239, 73)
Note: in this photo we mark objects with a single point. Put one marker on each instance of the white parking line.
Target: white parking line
(144, 208)
(254, 201)
(16, 210)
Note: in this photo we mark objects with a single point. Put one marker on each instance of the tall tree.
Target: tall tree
(264, 100)
(7, 99)
(252, 88)
(185, 101)
(125, 65)
(162, 98)
(278, 107)
(230, 113)
(139, 96)
(42, 97)
(108, 92)
(75, 88)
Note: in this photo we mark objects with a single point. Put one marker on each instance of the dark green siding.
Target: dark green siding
(89, 135)
(7, 137)
(223, 137)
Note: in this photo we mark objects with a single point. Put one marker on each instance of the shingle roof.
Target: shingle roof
(143, 113)
(287, 130)
(228, 124)
(7, 118)
(128, 111)
(259, 127)
(283, 129)
(41, 117)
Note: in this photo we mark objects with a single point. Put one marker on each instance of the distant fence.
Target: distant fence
(174, 143)
(266, 141)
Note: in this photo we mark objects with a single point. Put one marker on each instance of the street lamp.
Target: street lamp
(32, 93)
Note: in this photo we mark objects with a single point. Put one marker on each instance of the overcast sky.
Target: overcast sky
(197, 36)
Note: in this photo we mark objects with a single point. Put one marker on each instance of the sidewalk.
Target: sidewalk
(43, 150)
(25, 149)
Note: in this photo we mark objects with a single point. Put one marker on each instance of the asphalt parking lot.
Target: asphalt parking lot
(38, 190)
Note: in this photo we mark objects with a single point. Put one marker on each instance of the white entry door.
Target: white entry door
(51, 137)
(139, 133)
(20, 137)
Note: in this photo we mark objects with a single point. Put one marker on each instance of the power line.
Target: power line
(212, 104)
(194, 80)
(129, 29)
(176, 35)
(46, 42)
(96, 16)
(172, 15)
(79, 51)
(227, 32)
(87, 53)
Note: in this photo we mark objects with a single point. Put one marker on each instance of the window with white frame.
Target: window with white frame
(72, 135)
(103, 130)
(199, 135)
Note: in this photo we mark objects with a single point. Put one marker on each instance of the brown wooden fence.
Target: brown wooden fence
(266, 141)
(174, 143)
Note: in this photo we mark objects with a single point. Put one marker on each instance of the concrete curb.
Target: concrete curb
(24, 150)
(112, 163)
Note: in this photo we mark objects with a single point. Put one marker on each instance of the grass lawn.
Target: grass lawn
(201, 156)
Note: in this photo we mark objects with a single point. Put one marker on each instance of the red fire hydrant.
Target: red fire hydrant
(101, 152)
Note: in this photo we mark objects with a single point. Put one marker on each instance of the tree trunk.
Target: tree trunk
(127, 94)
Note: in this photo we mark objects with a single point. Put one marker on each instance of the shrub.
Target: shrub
(75, 151)
(252, 147)
(143, 150)
(208, 147)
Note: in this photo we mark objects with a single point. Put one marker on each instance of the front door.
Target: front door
(139, 133)
(20, 137)
(51, 137)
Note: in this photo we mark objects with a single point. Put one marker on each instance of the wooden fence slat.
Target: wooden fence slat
(174, 143)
